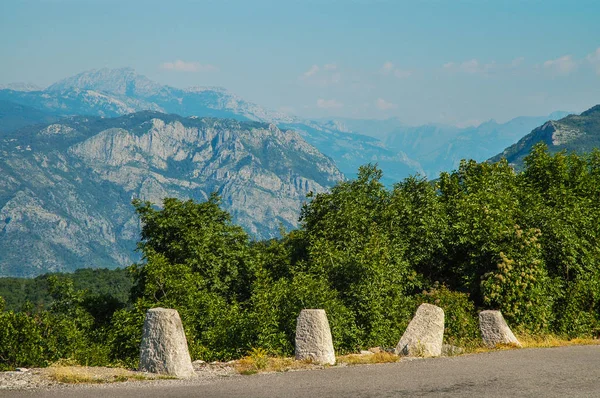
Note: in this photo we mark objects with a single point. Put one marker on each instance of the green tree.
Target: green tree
(350, 245)
(196, 261)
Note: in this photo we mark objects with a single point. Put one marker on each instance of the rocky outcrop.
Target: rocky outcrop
(494, 329)
(164, 347)
(313, 337)
(424, 335)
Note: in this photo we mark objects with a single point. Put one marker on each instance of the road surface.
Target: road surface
(547, 372)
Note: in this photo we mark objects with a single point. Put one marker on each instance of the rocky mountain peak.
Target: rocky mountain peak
(122, 82)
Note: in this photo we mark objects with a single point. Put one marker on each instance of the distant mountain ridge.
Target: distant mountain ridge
(115, 92)
(398, 149)
(573, 133)
(439, 147)
(135, 92)
(66, 187)
(21, 87)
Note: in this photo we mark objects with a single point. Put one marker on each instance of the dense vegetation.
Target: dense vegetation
(35, 292)
(480, 237)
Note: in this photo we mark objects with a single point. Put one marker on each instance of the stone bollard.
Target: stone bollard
(424, 335)
(494, 329)
(313, 337)
(164, 347)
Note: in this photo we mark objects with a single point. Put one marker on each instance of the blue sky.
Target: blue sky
(455, 62)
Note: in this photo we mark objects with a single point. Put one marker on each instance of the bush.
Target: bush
(461, 324)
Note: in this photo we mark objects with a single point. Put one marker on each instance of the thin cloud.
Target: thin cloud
(561, 66)
(448, 65)
(472, 67)
(384, 105)
(402, 74)
(389, 69)
(594, 60)
(312, 71)
(322, 76)
(517, 61)
(329, 104)
(182, 66)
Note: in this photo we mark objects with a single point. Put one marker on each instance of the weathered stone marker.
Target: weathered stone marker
(494, 329)
(424, 335)
(313, 337)
(164, 348)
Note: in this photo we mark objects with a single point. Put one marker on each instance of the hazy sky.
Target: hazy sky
(422, 61)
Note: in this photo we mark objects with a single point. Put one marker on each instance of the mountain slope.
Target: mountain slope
(574, 133)
(66, 188)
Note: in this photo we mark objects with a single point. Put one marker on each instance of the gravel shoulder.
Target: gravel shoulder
(45, 378)
(550, 372)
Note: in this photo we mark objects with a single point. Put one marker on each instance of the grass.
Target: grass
(532, 341)
(73, 374)
(546, 341)
(249, 365)
(358, 359)
(259, 362)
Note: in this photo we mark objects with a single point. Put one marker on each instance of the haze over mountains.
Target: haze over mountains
(74, 155)
(115, 92)
(399, 150)
(434, 148)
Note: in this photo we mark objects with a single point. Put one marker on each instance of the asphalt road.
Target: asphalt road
(549, 372)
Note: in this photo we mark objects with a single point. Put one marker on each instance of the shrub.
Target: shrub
(461, 325)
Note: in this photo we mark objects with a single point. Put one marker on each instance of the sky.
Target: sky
(453, 62)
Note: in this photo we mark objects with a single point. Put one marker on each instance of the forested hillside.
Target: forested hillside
(484, 237)
(16, 292)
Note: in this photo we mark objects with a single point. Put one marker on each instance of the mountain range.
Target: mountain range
(434, 148)
(399, 150)
(116, 92)
(74, 155)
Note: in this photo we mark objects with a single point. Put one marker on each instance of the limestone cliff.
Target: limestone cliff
(66, 188)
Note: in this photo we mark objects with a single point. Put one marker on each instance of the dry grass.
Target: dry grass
(92, 375)
(73, 375)
(478, 348)
(248, 365)
(259, 362)
(547, 341)
(533, 341)
(358, 359)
